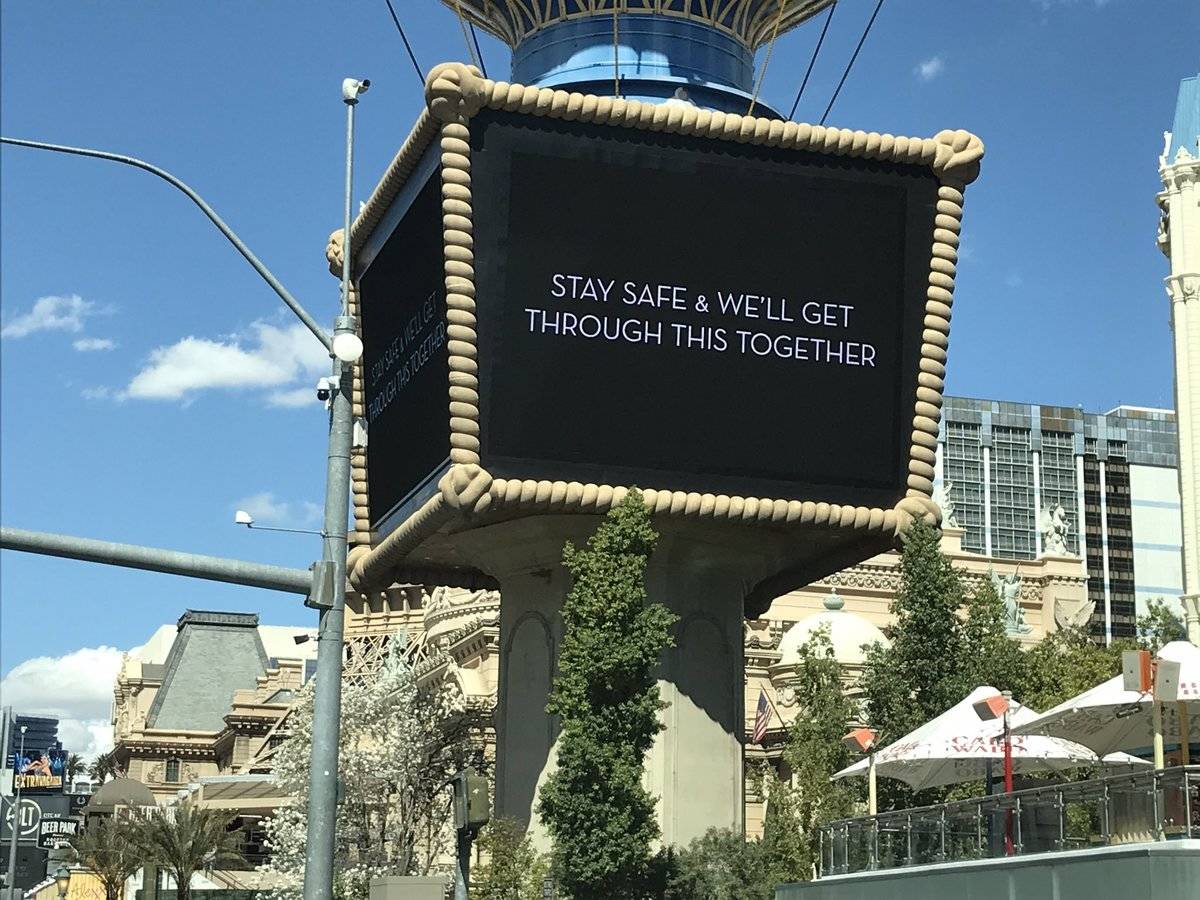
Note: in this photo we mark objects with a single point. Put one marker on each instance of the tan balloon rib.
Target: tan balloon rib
(467, 495)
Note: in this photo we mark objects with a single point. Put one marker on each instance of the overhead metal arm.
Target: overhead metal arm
(152, 559)
(229, 233)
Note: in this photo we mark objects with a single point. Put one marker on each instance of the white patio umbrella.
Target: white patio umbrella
(1108, 717)
(957, 746)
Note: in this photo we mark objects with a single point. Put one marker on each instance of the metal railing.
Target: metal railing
(1098, 812)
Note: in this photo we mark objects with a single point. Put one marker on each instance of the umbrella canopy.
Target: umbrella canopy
(1108, 717)
(957, 746)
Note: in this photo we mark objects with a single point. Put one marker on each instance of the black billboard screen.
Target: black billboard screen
(405, 368)
(696, 315)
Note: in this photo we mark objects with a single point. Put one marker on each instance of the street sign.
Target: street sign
(57, 832)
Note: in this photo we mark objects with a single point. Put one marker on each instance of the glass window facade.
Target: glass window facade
(1058, 480)
(1069, 443)
(963, 466)
(1013, 515)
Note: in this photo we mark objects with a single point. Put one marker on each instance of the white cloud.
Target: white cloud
(1014, 280)
(268, 510)
(76, 688)
(929, 69)
(301, 396)
(267, 357)
(96, 393)
(51, 313)
(88, 345)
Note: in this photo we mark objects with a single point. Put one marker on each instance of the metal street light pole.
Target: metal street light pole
(327, 703)
(16, 821)
(345, 348)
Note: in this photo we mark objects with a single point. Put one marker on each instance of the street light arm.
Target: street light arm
(284, 295)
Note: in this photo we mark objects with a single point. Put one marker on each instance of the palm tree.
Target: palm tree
(105, 847)
(75, 765)
(185, 839)
(105, 766)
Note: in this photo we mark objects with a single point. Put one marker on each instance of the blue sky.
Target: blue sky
(168, 388)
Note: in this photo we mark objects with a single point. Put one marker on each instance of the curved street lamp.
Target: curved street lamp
(329, 576)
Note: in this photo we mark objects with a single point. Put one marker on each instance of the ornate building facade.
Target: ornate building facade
(205, 697)
(453, 634)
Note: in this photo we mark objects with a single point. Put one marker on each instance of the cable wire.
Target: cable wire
(616, 51)
(407, 45)
(850, 65)
(767, 59)
(812, 62)
(478, 52)
(462, 23)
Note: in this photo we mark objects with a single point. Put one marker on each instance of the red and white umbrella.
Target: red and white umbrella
(957, 746)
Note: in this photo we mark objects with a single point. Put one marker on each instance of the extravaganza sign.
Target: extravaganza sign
(40, 771)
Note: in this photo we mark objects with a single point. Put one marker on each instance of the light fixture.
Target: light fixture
(860, 740)
(62, 877)
(241, 517)
(347, 345)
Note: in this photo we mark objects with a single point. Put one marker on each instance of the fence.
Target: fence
(1130, 808)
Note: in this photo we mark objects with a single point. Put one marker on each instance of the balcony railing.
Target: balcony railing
(1099, 812)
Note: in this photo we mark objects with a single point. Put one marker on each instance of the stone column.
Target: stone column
(695, 765)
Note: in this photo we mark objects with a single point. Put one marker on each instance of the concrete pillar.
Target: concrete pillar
(695, 767)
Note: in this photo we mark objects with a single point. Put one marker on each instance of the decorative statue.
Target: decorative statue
(1070, 616)
(1009, 590)
(1055, 528)
(941, 496)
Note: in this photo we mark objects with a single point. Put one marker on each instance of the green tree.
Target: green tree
(944, 644)
(106, 848)
(814, 752)
(721, 865)
(600, 816)
(991, 655)
(922, 673)
(105, 766)
(1159, 626)
(1067, 663)
(75, 765)
(185, 839)
(514, 870)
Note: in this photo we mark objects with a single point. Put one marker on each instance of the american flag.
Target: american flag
(762, 717)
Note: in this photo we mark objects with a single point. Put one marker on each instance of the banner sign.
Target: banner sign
(40, 771)
(33, 810)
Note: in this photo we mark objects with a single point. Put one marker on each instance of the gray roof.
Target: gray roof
(214, 655)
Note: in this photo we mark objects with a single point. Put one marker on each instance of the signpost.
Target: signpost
(565, 296)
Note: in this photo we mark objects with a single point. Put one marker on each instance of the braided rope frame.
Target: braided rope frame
(467, 495)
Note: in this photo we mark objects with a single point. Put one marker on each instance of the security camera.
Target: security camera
(352, 87)
(325, 388)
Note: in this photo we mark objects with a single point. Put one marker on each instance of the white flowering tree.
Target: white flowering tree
(400, 745)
